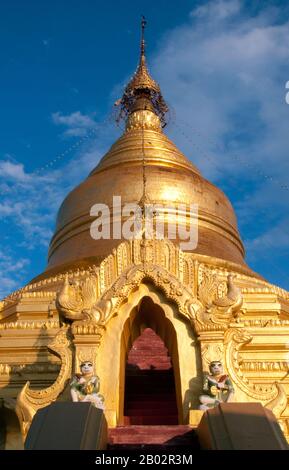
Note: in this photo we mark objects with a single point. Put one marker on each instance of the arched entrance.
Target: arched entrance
(151, 383)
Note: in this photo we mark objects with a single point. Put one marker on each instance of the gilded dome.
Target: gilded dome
(143, 161)
(171, 179)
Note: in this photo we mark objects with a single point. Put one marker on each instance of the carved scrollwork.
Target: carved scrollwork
(97, 296)
(279, 403)
(78, 302)
(234, 340)
(215, 310)
(28, 400)
(88, 328)
(75, 299)
(158, 276)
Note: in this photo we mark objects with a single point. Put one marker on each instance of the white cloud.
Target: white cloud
(77, 123)
(11, 170)
(29, 201)
(28, 206)
(276, 237)
(224, 72)
(217, 9)
(226, 81)
(11, 271)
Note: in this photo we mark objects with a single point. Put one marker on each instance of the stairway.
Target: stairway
(157, 438)
(149, 352)
(150, 408)
(150, 396)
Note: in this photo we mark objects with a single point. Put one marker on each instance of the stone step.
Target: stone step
(148, 350)
(159, 449)
(148, 344)
(150, 397)
(156, 435)
(148, 355)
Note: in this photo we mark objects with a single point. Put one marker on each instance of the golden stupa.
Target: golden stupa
(96, 297)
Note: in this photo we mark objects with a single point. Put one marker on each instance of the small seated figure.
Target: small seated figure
(217, 387)
(85, 386)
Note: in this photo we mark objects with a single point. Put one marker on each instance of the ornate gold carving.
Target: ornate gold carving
(217, 310)
(76, 299)
(5, 369)
(232, 301)
(234, 340)
(88, 328)
(166, 266)
(211, 352)
(166, 282)
(108, 272)
(28, 400)
(264, 366)
(143, 119)
(128, 253)
(204, 294)
(263, 323)
(142, 79)
(188, 272)
(87, 355)
(21, 369)
(30, 325)
(279, 403)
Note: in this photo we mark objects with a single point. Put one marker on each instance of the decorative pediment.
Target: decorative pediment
(98, 296)
(201, 296)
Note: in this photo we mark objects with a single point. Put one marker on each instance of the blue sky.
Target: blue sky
(222, 67)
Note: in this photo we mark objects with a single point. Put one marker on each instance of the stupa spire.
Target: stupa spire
(142, 43)
(142, 91)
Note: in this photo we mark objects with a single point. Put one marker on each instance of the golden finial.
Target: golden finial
(142, 86)
(142, 44)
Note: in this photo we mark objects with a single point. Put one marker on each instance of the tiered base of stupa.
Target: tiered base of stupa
(183, 299)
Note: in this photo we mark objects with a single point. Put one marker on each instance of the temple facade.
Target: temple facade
(149, 315)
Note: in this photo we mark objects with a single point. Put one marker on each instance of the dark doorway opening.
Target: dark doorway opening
(150, 393)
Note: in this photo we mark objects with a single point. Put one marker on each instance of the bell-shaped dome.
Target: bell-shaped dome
(170, 180)
(143, 161)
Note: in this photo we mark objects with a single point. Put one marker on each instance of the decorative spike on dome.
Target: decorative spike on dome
(142, 92)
